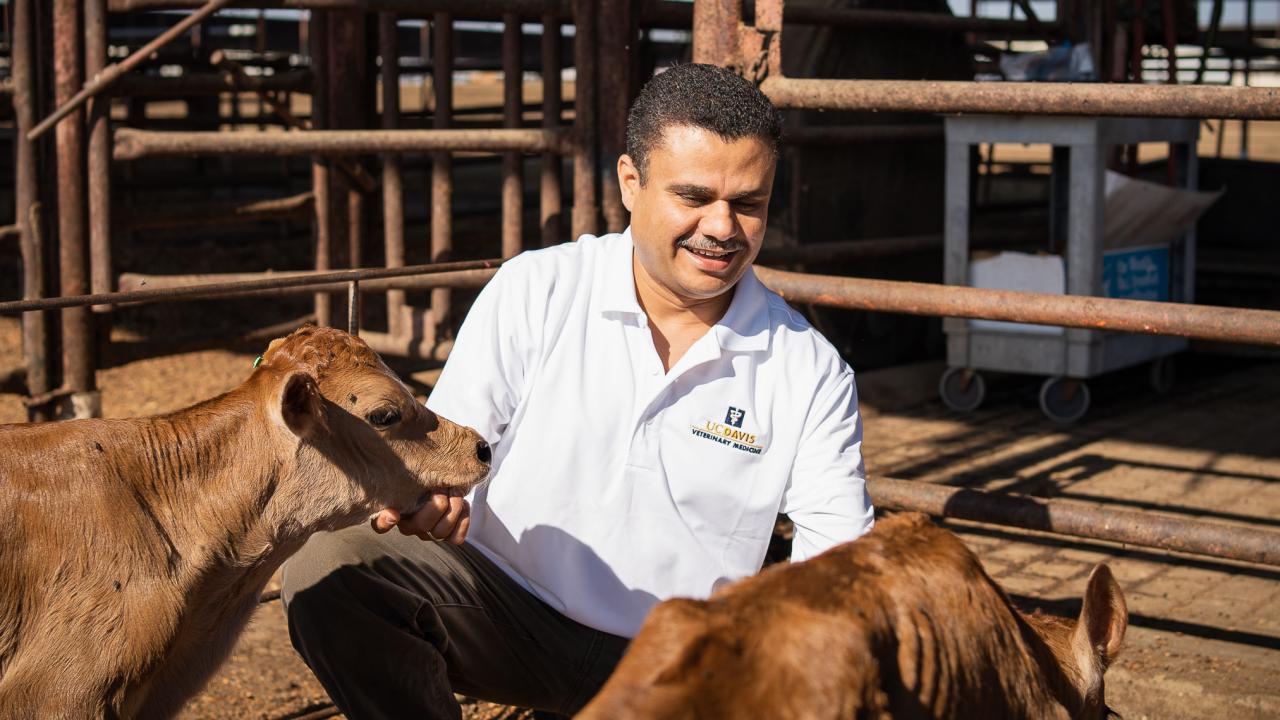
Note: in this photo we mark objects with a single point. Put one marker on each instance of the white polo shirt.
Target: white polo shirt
(615, 484)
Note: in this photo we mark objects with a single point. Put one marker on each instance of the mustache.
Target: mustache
(701, 243)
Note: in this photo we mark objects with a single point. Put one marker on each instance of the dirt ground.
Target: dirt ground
(1204, 638)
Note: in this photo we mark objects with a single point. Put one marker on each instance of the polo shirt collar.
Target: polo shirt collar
(744, 327)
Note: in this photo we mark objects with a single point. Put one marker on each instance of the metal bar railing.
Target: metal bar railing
(133, 144)
(1201, 322)
(1015, 98)
(308, 281)
(1246, 543)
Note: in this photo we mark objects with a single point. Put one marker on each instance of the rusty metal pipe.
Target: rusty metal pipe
(585, 207)
(1012, 98)
(550, 201)
(131, 144)
(614, 63)
(270, 281)
(512, 162)
(442, 163)
(1201, 322)
(464, 9)
(101, 274)
(392, 178)
(1220, 540)
(322, 226)
(27, 212)
(715, 31)
(111, 73)
(457, 279)
(77, 331)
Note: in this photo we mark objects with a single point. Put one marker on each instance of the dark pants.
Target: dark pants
(393, 626)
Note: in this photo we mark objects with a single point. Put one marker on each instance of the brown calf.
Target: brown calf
(902, 623)
(132, 552)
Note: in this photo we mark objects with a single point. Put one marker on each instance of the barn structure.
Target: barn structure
(198, 177)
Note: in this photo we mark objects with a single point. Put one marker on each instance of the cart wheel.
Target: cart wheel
(1064, 400)
(1162, 375)
(962, 389)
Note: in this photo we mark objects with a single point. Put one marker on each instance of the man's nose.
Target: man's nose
(718, 222)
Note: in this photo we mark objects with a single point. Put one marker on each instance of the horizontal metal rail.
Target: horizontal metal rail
(133, 144)
(209, 83)
(1016, 98)
(309, 280)
(456, 279)
(667, 14)
(1245, 543)
(1201, 322)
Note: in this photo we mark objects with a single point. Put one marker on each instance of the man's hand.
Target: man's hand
(443, 518)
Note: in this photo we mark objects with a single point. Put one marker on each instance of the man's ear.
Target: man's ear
(628, 180)
(301, 405)
(1104, 616)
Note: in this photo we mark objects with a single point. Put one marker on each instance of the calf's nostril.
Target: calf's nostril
(482, 451)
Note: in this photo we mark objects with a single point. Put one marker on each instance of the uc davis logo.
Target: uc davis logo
(734, 417)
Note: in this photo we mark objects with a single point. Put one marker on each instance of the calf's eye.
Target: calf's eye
(383, 418)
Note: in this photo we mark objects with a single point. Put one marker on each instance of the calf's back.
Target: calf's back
(902, 623)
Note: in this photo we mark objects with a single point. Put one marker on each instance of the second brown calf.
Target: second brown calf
(133, 551)
(902, 623)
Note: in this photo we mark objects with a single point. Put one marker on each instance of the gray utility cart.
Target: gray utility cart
(1067, 357)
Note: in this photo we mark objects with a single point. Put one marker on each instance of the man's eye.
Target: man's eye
(383, 418)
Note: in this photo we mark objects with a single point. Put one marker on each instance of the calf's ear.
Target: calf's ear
(301, 406)
(1104, 616)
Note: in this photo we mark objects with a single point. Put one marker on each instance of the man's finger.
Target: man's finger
(421, 522)
(386, 519)
(444, 526)
(459, 533)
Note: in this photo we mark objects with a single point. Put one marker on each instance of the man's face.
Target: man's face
(699, 219)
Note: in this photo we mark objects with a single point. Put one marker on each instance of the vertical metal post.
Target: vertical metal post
(441, 162)
(27, 212)
(550, 201)
(1084, 243)
(101, 275)
(1248, 61)
(77, 359)
(512, 115)
(392, 179)
(615, 46)
(318, 37)
(955, 230)
(585, 208)
(348, 109)
(353, 307)
(715, 31)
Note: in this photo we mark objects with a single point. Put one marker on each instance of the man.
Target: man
(651, 408)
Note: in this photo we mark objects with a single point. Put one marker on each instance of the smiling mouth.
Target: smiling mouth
(714, 256)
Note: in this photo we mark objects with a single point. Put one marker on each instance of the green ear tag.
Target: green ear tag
(257, 361)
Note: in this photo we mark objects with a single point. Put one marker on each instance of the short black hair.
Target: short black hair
(703, 96)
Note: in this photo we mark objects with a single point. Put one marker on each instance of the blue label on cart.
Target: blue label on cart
(1136, 274)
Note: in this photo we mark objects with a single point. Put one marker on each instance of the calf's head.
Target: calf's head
(358, 436)
(1083, 649)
